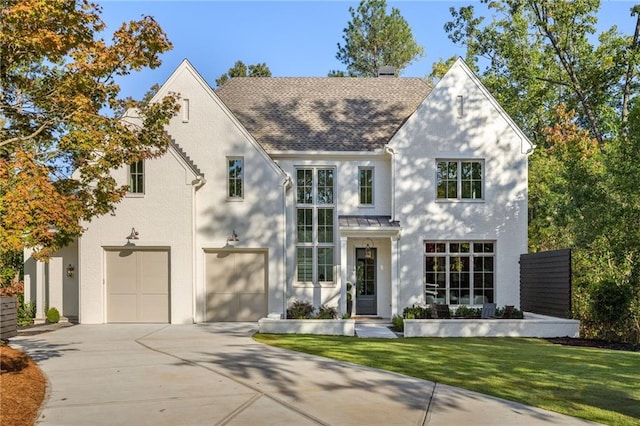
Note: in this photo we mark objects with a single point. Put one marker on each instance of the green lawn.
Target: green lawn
(594, 384)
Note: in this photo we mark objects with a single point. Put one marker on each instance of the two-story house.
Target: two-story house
(283, 189)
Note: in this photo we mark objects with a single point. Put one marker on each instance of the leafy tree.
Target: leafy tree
(539, 53)
(65, 126)
(576, 99)
(374, 39)
(337, 73)
(239, 69)
(439, 69)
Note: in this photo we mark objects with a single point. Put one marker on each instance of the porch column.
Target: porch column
(343, 275)
(56, 283)
(40, 298)
(395, 279)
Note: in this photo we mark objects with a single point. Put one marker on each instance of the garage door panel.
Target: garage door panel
(222, 306)
(154, 273)
(251, 306)
(219, 271)
(122, 308)
(254, 279)
(121, 271)
(235, 286)
(154, 308)
(137, 285)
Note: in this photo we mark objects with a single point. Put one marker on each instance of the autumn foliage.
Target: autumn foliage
(64, 126)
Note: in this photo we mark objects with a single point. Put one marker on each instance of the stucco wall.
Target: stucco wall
(209, 136)
(162, 218)
(347, 203)
(436, 131)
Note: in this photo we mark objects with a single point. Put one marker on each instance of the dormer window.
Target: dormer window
(136, 177)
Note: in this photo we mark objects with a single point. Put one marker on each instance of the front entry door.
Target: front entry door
(366, 302)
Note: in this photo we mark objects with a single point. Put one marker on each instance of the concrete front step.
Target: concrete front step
(378, 330)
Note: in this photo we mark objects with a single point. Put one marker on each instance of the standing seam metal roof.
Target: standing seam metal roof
(323, 114)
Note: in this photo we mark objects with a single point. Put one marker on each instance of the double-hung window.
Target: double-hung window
(365, 185)
(235, 178)
(315, 224)
(136, 177)
(460, 272)
(460, 179)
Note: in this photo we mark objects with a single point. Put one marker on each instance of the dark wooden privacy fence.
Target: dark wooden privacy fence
(8, 317)
(545, 283)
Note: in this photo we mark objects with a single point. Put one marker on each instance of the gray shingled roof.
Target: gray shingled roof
(322, 114)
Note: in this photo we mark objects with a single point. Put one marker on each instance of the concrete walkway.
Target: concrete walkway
(215, 374)
(373, 330)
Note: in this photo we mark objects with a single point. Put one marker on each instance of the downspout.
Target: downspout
(196, 184)
(285, 185)
(392, 153)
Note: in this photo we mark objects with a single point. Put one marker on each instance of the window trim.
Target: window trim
(459, 180)
(230, 158)
(373, 186)
(472, 254)
(315, 205)
(131, 174)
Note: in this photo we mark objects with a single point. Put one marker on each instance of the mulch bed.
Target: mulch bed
(600, 344)
(22, 387)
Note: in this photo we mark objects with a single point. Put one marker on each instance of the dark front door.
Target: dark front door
(366, 302)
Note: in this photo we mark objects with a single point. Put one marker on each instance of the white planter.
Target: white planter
(533, 325)
(337, 327)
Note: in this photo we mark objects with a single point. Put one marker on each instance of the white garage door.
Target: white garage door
(236, 286)
(137, 285)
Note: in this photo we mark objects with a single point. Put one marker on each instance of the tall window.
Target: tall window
(460, 273)
(315, 224)
(462, 180)
(365, 185)
(235, 177)
(136, 177)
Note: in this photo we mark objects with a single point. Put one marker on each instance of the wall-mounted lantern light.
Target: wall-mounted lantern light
(368, 252)
(133, 235)
(70, 271)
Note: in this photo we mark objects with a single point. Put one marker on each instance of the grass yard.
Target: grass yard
(594, 384)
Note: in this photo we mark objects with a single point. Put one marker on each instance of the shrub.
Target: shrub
(326, 312)
(609, 309)
(467, 312)
(511, 313)
(397, 323)
(300, 309)
(53, 315)
(610, 301)
(14, 288)
(417, 312)
(26, 311)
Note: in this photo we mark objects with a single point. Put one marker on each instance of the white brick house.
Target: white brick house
(282, 189)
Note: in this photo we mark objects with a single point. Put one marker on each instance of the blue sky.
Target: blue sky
(295, 38)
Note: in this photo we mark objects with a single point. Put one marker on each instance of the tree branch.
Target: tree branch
(41, 129)
(626, 94)
(543, 23)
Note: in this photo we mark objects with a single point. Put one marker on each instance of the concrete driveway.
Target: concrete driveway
(215, 374)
